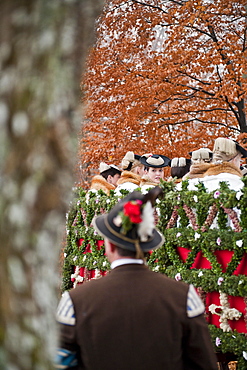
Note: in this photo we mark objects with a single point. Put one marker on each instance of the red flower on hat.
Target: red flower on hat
(132, 210)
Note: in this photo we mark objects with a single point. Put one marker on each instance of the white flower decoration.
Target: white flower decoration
(239, 243)
(200, 274)
(197, 236)
(245, 355)
(220, 280)
(239, 194)
(195, 198)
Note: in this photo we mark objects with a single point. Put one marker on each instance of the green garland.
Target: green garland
(185, 218)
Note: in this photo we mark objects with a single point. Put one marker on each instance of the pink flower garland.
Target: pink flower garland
(210, 218)
(191, 216)
(234, 218)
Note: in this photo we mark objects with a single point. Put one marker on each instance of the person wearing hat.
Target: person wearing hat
(132, 172)
(179, 167)
(133, 318)
(107, 179)
(154, 165)
(200, 162)
(225, 166)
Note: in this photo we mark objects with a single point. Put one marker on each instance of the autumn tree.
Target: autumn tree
(165, 77)
(43, 44)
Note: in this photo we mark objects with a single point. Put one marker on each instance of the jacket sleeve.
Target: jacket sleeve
(67, 351)
(198, 349)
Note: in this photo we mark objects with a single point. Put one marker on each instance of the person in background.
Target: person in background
(133, 318)
(225, 166)
(107, 179)
(132, 172)
(154, 166)
(200, 160)
(179, 167)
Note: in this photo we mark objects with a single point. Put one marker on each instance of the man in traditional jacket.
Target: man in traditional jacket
(133, 318)
(107, 179)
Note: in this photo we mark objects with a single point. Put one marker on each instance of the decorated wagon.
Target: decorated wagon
(205, 245)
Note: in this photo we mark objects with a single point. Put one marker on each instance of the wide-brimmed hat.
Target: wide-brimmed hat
(154, 160)
(130, 223)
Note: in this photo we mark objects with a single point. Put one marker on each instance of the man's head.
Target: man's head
(228, 150)
(179, 167)
(110, 172)
(131, 162)
(130, 223)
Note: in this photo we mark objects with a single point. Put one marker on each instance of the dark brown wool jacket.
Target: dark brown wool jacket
(135, 319)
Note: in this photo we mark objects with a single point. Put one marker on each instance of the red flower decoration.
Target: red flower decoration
(133, 211)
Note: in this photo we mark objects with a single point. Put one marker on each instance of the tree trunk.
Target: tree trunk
(43, 45)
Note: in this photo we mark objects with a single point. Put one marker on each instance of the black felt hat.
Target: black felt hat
(155, 160)
(130, 223)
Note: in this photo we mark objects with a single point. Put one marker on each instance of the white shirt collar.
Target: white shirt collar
(126, 261)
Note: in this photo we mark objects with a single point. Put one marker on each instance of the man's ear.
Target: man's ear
(109, 179)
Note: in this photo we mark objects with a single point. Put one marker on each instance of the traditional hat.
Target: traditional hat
(229, 147)
(155, 160)
(130, 160)
(105, 167)
(180, 162)
(202, 154)
(130, 223)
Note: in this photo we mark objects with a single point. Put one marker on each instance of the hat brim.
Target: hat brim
(103, 226)
(166, 163)
(242, 150)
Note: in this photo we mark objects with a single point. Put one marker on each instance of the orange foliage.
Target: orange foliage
(165, 77)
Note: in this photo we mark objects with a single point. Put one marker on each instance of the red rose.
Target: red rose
(133, 211)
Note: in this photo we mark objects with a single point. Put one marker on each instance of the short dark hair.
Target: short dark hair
(111, 172)
(126, 253)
